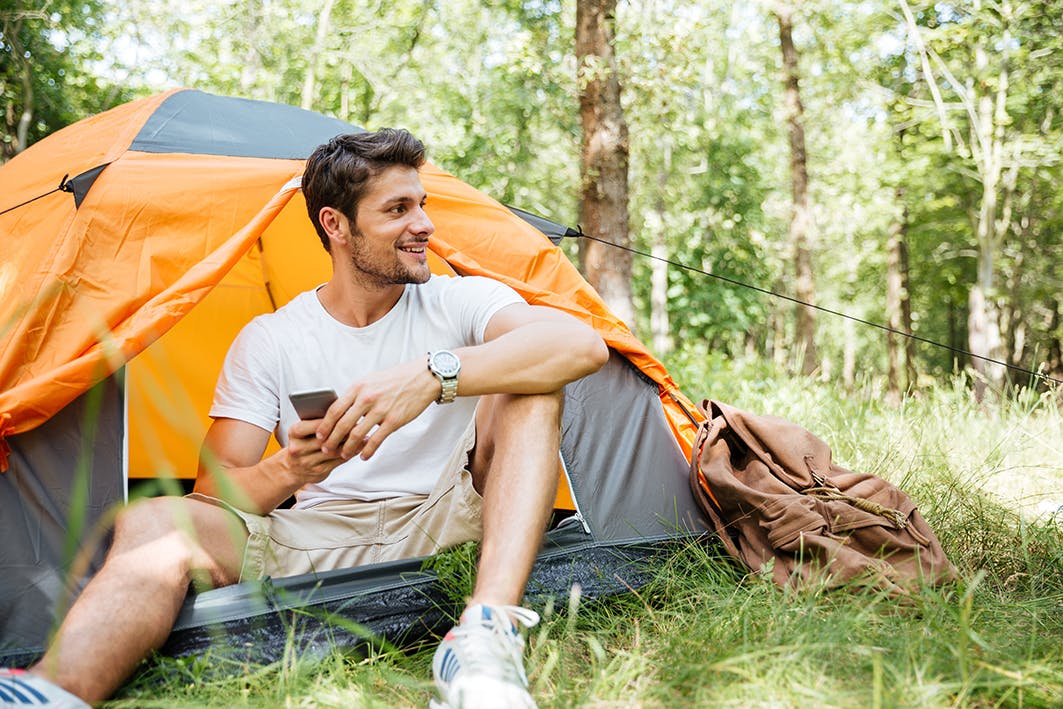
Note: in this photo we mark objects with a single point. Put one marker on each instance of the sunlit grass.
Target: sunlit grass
(702, 634)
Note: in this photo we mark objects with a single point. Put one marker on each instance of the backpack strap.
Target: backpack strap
(710, 428)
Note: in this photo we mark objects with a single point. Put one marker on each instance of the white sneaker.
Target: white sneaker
(479, 664)
(20, 689)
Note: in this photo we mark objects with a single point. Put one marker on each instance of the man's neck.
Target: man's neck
(356, 305)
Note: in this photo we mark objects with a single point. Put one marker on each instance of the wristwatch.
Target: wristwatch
(445, 365)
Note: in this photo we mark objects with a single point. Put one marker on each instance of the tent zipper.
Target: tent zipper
(578, 516)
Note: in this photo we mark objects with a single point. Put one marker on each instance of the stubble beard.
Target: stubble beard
(381, 276)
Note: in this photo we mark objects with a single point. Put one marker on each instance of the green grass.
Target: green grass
(702, 634)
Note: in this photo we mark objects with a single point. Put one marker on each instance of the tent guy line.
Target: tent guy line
(63, 187)
(732, 281)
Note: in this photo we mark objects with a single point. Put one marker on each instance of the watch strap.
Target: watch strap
(449, 389)
(448, 384)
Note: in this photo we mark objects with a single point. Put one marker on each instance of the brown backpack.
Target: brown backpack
(780, 505)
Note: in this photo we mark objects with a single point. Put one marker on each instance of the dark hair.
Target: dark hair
(337, 173)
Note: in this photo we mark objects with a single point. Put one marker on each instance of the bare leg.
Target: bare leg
(160, 546)
(515, 467)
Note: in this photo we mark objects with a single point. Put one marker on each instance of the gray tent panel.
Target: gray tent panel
(628, 473)
(68, 467)
(628, 477)
(553, 230)
(236, 127)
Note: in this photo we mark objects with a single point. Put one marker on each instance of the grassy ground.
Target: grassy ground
(989, 480)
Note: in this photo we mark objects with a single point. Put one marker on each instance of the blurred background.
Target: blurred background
(896, 161)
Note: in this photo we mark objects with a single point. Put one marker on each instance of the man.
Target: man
(449, 408)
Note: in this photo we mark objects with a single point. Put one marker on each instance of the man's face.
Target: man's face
(390, 234)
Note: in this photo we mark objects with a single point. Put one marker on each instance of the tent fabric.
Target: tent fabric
(397, 602)
(75, 314)
(52, 508)
(202, 124)
(183, 220)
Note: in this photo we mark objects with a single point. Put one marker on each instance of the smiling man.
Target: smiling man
(445, 429)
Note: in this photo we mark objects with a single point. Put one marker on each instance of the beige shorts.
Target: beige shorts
(343, 533)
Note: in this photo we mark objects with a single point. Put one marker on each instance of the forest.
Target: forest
(845, 213)
(893, 162)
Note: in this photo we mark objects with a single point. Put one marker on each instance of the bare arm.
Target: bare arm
(231, 466)
(527, 350)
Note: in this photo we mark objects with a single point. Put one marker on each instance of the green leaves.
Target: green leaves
(492, 89)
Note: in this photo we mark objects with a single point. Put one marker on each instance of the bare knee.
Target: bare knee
(167, 538)
(515, 423)
(537, 408)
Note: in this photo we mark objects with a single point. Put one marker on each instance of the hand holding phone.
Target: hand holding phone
(312, 405)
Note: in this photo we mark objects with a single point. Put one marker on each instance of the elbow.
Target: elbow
(595, 353)
(206, 484)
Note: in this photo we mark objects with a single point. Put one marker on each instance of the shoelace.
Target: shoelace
(479, 655)
(525, 616)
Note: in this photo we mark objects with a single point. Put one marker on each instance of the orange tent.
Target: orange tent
(139, 241)
(153, 246)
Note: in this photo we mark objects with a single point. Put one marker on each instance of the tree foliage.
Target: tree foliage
(891, 115)
(47, 52)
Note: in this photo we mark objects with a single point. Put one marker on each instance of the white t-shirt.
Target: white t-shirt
(301, 347)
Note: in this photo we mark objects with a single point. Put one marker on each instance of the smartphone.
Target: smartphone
(310, 405)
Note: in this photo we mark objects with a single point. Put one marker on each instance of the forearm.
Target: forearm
(536, 358)
(527, 351)
(258, 488)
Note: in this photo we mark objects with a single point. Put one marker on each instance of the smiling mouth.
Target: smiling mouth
(418, 248)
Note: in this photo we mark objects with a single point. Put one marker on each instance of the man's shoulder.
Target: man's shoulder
(296, 309)
(266, 326)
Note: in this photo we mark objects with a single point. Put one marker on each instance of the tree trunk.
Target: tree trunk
(603, 159)
(1053, 365)
(800, 217)
(26, 119)
(911, 376)
(987, 143)
(895, 295)
(848, 355)
(19, 127)
(776, 346)
(314, 55)
(659, 325)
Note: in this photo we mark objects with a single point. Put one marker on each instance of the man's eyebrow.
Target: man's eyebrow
(400, 199)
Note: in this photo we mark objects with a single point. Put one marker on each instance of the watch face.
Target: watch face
(445, 363)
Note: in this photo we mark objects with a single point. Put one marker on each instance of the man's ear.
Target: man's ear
(335, 224)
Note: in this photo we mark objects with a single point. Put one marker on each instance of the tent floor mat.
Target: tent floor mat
(397, 604)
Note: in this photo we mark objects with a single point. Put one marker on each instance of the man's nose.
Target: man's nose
(422, 224)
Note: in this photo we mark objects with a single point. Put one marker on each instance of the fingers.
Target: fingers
(308, 462)
(346, 434)
(358, 422)
(339, 410)
(303, 429)
(373, 441)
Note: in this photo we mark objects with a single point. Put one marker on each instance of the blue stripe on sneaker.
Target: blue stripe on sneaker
(449, 665)
(12, 695)
(23, 692)
(15, 696)
(34, 691)
(445, 668)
